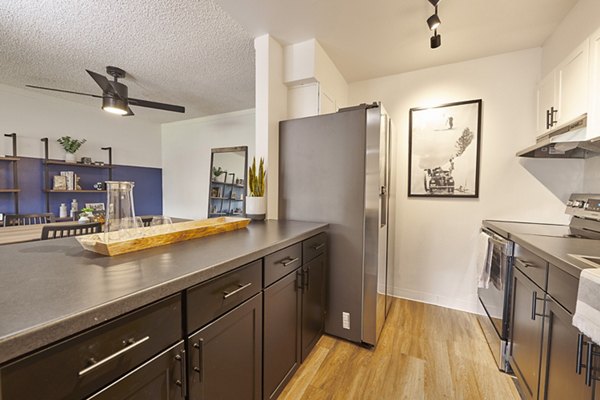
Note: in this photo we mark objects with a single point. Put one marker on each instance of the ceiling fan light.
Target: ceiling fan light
(114, 105)
(433, 22)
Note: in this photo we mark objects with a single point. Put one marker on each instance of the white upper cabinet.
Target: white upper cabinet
(573, 84)
(593, 130)
(564, 93)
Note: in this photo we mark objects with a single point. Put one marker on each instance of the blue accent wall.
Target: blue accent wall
(147, 192)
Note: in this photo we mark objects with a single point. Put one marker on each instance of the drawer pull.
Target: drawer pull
(239, 289)
(288, 261)
(318, 246)
(523, 264)
(112, 356)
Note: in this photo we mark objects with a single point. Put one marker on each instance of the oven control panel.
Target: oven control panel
(584, 205)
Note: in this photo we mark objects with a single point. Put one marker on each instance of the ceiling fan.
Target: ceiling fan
(114, 94)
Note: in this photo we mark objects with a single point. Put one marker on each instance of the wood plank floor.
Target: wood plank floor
(424, 352)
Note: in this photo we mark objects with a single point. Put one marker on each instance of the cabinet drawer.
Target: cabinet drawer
(532, 266)
(563, 288)
(282, 262)
(211, 299)
(314, 247)
(77, 367)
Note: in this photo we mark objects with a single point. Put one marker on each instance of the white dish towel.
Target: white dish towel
(484, 260)
(587, 310)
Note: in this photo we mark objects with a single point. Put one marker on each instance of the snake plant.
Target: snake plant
(256, 178)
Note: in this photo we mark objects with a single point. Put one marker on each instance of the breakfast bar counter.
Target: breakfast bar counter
(50, 290)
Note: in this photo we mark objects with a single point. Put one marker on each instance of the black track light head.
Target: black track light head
(435, 41)
(433, 22)
(434, 2)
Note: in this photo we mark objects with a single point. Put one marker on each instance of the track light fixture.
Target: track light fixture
(434, 22)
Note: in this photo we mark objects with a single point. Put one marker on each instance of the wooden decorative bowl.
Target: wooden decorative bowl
(148, 237)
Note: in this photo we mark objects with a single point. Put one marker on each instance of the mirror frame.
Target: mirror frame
(218, 150)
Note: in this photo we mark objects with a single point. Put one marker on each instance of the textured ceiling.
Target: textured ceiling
(184, 52)
(378, 38)
(199, 53)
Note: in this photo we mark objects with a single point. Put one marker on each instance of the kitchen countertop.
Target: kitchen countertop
(52, 289)
(547, 241)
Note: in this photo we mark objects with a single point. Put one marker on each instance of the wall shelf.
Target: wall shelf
(13, 161)
(50, 163)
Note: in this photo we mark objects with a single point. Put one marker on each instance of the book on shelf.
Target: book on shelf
(71, 181)
(59, 182)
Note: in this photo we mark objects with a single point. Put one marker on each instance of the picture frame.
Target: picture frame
(97, 207)
(443, 150)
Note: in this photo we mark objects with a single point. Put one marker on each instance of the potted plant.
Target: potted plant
(70, 146)
(256, 204)
(217, 172)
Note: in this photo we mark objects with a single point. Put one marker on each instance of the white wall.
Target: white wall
(186, 153)
(33, 116)
(435, 238)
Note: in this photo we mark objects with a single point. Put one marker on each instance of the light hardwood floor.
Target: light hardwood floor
(424, 352)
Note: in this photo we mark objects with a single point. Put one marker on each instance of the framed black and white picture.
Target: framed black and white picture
(443, 150)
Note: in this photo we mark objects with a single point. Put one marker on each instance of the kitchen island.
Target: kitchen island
(52, 290)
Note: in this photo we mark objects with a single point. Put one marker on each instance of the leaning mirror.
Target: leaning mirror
(227, 193)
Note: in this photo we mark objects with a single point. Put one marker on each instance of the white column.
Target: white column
(271, 107)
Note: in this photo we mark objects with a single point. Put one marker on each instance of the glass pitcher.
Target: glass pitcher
(120, 223)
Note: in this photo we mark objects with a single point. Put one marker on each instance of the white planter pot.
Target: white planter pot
(70, 157)
(256, 207)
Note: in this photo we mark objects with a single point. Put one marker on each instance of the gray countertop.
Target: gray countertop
(547, 241)
(52, 289)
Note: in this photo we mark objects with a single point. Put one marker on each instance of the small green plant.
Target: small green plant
(69, 144)
(256, 178)
(218, 172)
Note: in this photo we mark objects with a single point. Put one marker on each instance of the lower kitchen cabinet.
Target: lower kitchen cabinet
(563, 376)
(526, 333)
(282, 322)
(162, 378)
(225, 356)
(313, 303)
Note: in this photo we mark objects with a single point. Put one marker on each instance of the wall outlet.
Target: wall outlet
(346, 320)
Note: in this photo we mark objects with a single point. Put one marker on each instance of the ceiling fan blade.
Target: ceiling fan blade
(64, 91)
(159, 106)
(103, 82)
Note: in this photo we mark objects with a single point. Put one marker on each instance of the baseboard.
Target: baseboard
(470, 306)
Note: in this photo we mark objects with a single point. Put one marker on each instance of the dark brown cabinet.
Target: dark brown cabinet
(162, 378)
(313, 303)
(225, 356)
(283, 302)
(526, 333)
(561, 377)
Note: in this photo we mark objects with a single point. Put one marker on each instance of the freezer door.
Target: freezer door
(375, 249)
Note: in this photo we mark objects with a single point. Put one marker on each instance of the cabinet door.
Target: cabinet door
(313, 303)
(573, 82)
(560, 380)
(162, 378)
(225, 356)
(281, 352)
(526, 333)
(546, 100)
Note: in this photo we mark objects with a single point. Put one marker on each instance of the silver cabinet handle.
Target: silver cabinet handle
(112, 356)
(289, 261)
(239, 289)
(318, 246)
(523, 264)
(182, 382)
(200, 368)
(579, 363)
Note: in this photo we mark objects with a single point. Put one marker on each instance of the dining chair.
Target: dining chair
(28, 219)
(75, 229)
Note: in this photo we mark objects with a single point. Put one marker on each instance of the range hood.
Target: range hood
(566, 141)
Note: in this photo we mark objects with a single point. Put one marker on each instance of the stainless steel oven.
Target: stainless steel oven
(494, 296)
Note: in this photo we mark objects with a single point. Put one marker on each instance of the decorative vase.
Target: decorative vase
(256, 207)
(70, 157)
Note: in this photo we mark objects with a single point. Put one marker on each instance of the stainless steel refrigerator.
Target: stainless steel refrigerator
(335, 168)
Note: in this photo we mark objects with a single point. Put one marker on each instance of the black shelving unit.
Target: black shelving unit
(48, 164)
(229, 200)
(13, 162)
